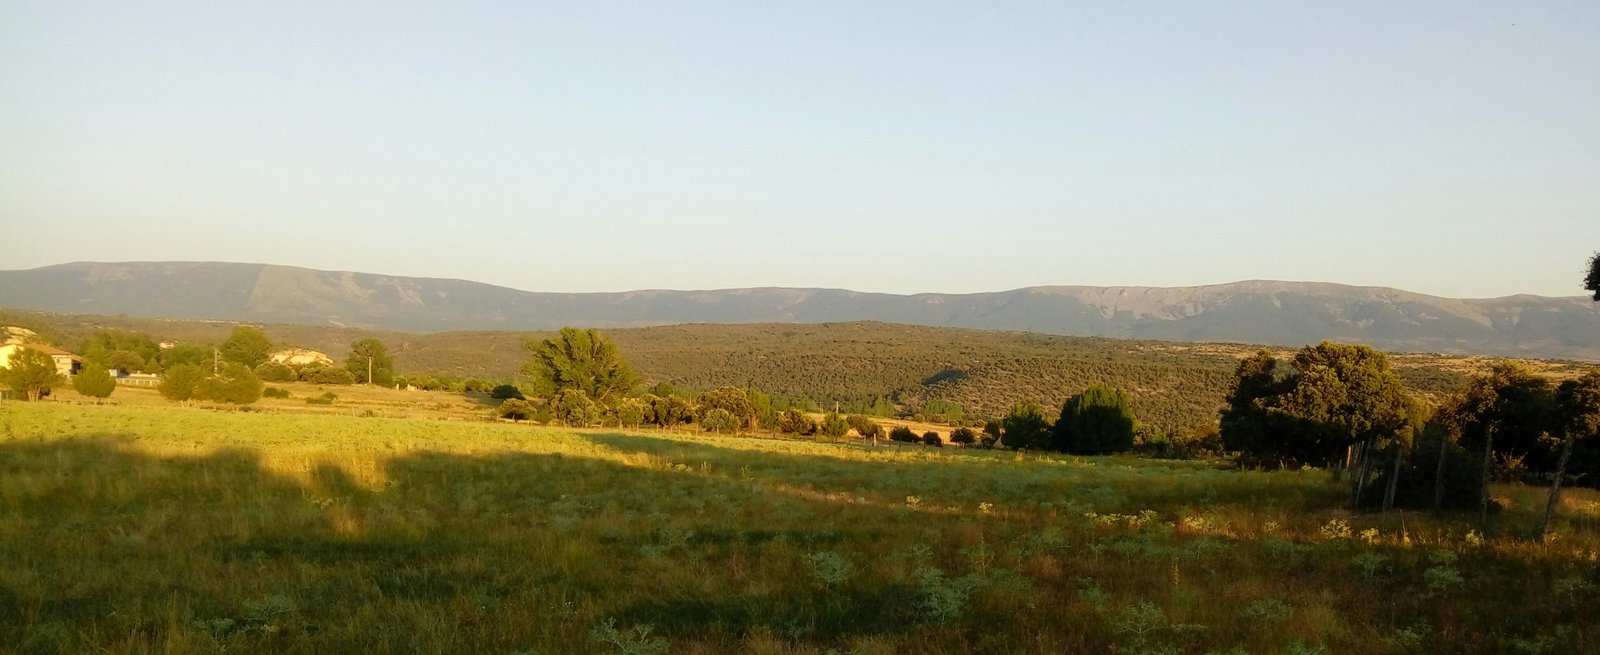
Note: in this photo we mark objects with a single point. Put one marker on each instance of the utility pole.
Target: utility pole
(369, 370)
(214, 358)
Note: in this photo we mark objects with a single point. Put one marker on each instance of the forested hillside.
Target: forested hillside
(855, 364)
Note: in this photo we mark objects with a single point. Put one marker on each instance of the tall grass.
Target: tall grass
(166, 529)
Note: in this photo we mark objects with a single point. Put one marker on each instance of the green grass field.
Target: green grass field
(172, 529)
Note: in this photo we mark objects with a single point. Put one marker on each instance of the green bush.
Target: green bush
(834, 425)
(94, 381)
(720, 420)
(275, 372)
(180, 382)
(796, 422)
(235, 384)
(932, 439)
(274, 392)
(515, 409)
(866, 427)
(326, 398)
(903, 434)
(964, 436)
(319, 374)
(505, 392)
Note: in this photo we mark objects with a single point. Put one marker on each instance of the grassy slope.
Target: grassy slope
(149, 528)
(1173, 384)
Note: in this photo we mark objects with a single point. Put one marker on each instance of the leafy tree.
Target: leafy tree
(1592, 280)
(579, 360)
(794, 421)
(323, 374)
(629, 413)
(515, 409)
(902, 434)
(1334, 397)
(833, 425)
(1504, 411)
(370, 354)
(505, 392)
(94, 382)
(235, 384)
(719, 420)
(766, 415)
(574, 408)
(1024, 427)
(1246, 425)
(192, 355)
(1095, 422)
(864, 426)
(31, 373)
(666, 411)
(1578, 416)
(276, 372)
(991, 432)
(964, 436)
(931, 438)
(942, 411)
(128, 351)
(180, 381)
(732, 400)
(247, 345)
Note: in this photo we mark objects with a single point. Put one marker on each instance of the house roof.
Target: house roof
(47, 349)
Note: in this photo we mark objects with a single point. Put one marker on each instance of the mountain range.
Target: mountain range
(1257, 311)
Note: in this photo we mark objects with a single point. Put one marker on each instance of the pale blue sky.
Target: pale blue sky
(1444, 147)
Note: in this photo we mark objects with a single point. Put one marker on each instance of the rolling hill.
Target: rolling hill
(1265, 312)
(1174, 385)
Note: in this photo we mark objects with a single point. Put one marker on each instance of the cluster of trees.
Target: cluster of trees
(233, 383)
(1096, 421)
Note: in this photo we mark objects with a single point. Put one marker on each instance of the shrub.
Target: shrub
(275, 372)
(796, 422)
(506, 392)
(326, 398)
(964, 436)
(235, 384)
(864, 426)
(834, 426)
(274, 392)
(932, 439)
(719, 420)
(320, 374)
(515, 409)
(629, 413)
(903, 434)
(1025, 428)
(574, 408)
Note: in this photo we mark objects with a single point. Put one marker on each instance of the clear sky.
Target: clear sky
(1444, 147)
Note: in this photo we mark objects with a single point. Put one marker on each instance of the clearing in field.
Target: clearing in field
(166, 529)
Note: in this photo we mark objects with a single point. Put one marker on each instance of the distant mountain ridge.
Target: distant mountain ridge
(1257, 311)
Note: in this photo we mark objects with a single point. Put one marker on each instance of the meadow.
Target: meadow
(143, 528)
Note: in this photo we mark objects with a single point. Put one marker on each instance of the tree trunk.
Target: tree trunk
(1438, 473)
(1361, 471)
(1488, 467)
(1555, 489)
(1394, 481)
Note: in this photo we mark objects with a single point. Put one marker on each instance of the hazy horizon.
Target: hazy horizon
(1442, 148)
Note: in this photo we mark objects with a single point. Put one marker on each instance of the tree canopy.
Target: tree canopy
(31, 373)
(1095, 422)
(579, 360)
(1333, 396)
(94, 381)
(247, 345)
(370, 354)
(1592, 280)
(1025, 427)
